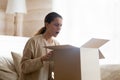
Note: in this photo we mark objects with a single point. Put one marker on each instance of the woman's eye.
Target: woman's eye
(57, 25)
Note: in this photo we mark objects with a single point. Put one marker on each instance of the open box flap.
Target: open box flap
(61, 47)
(100, 55)
(95, 43)
(64, 47)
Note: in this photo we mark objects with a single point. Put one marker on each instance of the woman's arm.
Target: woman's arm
(29, 63)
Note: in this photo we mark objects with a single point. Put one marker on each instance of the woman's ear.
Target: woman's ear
(46, 25)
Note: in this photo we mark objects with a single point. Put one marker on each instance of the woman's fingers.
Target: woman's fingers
(47, 56)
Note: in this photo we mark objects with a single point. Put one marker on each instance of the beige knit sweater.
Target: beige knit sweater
(31, 66)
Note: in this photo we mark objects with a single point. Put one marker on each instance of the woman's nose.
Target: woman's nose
(59, 28)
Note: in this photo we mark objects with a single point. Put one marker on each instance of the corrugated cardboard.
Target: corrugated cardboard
(74, 63)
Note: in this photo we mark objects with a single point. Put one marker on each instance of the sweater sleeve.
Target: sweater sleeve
(28, 63)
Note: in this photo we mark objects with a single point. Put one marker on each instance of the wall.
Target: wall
(2, 16)
(33, 20)
(2, 21)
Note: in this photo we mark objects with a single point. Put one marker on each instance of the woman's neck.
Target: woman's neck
(47, 37)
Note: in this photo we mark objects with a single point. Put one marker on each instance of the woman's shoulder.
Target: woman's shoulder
(35, 38)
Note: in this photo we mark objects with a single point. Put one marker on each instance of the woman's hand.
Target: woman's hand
(47, 56)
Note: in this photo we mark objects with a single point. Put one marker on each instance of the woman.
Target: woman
(35, 61)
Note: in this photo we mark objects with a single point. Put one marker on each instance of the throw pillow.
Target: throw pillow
(16, 59)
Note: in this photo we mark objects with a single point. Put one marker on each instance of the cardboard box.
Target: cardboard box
(74, 63)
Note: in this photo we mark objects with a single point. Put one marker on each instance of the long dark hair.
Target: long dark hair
(48, 19)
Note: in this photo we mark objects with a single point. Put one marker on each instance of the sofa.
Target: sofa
(11, 54)
(110, 71)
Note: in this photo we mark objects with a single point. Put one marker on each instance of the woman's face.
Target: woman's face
(54, 27)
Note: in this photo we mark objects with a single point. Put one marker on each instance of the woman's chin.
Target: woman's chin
(55, 35)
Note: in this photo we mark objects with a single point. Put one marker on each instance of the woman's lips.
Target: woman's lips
(57, 32)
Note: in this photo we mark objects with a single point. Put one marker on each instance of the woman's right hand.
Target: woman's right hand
(47, 56)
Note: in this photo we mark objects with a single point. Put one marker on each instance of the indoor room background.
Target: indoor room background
(82, 20)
